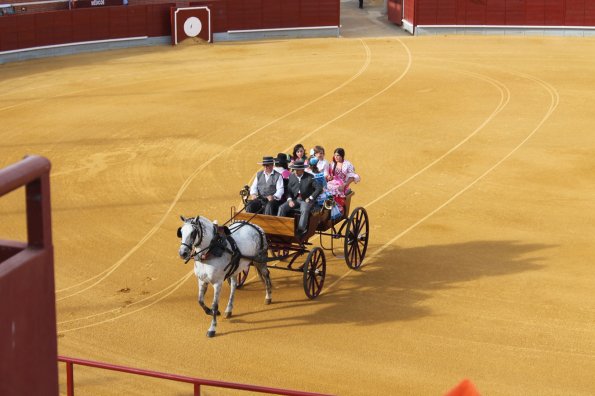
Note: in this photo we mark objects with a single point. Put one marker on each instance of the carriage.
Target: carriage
(286, 246)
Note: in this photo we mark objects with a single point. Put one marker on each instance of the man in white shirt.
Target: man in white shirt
(266, 190)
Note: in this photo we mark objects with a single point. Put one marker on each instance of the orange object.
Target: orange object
(465, 388)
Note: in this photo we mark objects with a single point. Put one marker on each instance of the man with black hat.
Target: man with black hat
(302, 191)
(266, 190)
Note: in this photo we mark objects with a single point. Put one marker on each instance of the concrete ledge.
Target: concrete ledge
(408, 26)
(568, 31)
(75, 48)
(239, 35)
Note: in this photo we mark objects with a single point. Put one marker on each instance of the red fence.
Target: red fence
(271, 14)
(197, 382)
(153, 20)
(498, 12)
(28, 347)
(85, 24)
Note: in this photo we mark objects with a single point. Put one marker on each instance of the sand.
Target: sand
(478, 174)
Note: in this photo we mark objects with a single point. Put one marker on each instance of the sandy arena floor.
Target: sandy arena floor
(478, 173)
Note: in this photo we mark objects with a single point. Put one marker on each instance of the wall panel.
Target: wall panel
(99, 23)
(9, 39)
(290, 13)
(501, 12)
(495, 12)
(515, 12)
(62, 27)
(446, 12)
(535, 12)
(118, 22)
(137, 21)
(427, 11)
(575, 12)
(271, 14)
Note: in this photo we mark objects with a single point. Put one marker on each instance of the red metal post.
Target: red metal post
(196, 389)
(69, 379)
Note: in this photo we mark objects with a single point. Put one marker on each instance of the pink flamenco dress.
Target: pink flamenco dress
(335, 187)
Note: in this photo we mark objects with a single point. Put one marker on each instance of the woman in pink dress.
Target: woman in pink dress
(341, 174)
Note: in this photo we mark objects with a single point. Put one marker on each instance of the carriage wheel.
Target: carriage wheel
(242, 276)
(314, 272)
(356, 238)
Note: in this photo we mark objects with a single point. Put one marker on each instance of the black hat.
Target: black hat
(298, 164)
(281, 159)
(267, 161)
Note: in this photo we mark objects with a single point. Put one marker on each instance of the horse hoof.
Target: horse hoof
(227, 315)
(209, 312)
(210, 334)
(267, 301)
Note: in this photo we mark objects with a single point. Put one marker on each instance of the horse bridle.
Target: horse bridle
(196, 229)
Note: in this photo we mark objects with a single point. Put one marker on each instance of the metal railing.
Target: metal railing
(197, 382)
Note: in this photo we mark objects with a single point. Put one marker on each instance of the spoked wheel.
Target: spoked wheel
(314, 272)
(242, 276)
(356, 238)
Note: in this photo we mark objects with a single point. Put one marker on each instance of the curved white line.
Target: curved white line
(504, 99)
(127, 306)
(555, 99)
(104, 274)
(133, 311)
(362, 103)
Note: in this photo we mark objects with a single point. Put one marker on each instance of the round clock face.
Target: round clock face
(192, 27)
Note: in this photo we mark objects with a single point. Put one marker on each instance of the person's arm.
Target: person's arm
(351, 175)
(254, 188)
(317, 190)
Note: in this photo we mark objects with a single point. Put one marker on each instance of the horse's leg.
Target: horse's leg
(265, 275)
(233, 283)
(215, 309)
(202, 289)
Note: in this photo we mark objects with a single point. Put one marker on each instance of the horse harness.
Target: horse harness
(221, 237)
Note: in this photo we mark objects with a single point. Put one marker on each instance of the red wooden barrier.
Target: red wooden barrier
(28, 347)
(83, 24)
(505, 13)
(197, 382)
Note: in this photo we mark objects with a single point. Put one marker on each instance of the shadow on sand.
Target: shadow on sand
(391, 286)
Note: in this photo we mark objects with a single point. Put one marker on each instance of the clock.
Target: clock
(192, 27)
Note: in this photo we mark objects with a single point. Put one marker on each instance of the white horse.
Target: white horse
(213, 258)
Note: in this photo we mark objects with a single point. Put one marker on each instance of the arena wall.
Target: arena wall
(26, 35)
(569, 17)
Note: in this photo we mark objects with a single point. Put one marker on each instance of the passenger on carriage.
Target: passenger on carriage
(281, 167)
(302, 192)
(299, 152)
(318, 178)
(323, 165)
(266, 190)
(341, 175)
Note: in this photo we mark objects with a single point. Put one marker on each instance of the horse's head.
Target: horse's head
(191, 234)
